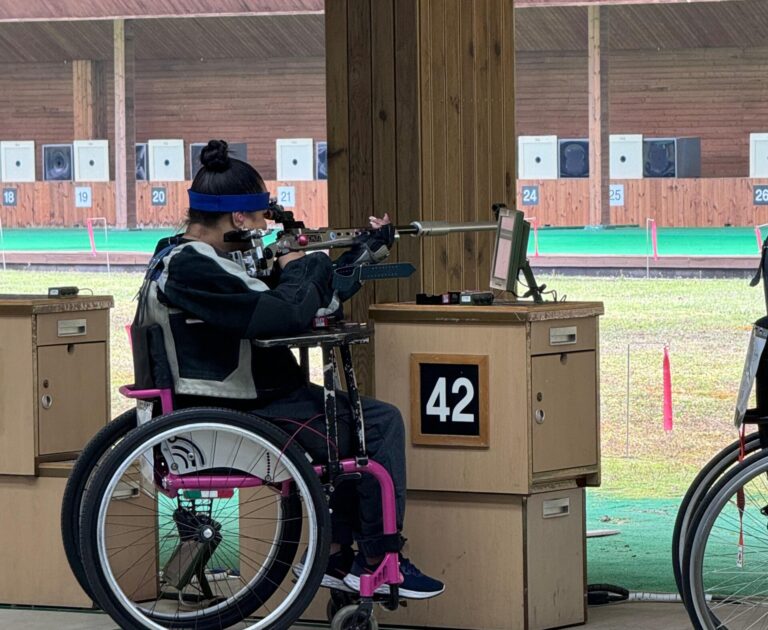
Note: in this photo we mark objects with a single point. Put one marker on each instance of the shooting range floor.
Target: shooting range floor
(639, 558)
(618, 241)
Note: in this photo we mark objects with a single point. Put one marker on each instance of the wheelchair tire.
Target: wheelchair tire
(89, 458)
(723, 581)
(298, 490)
(702, 483)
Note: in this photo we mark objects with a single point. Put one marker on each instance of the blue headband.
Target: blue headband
(228, 203)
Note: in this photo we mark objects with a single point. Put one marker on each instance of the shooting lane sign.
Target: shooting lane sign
(449, 400)
(10, 196)
(83, 197)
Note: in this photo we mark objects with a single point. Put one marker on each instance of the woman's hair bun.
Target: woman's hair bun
(215, 156)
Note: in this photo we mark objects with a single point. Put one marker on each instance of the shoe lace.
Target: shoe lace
(408, 568)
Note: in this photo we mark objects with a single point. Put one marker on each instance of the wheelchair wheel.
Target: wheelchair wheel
(195, 519)
(703, 482)
(726, 554)
(100, 444)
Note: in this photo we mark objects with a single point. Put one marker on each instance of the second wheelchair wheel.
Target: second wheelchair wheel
(703, 482)
(195, 520)
(726, 555)
(97, 447)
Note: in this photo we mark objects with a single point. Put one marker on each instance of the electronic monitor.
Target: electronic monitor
(510, 254)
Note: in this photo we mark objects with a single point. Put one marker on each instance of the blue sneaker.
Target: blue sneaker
(338, 566)
(415, 584)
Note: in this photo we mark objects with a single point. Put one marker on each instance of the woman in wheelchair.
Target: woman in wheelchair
(198, 310)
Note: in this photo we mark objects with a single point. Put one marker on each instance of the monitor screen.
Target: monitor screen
(511, 250)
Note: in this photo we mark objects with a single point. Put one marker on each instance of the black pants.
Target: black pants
(356, 505)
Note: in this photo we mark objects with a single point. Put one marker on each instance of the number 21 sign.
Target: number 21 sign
(449, 400)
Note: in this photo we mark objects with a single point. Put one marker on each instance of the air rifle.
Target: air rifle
(369, 246)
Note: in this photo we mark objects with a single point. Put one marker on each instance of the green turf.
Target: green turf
(639, 558)
(76, 239)
(628, 241)
(633, 241)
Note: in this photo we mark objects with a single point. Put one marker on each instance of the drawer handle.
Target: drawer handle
(46, 401)
(555, 508)
(71, 327)
(562, 336)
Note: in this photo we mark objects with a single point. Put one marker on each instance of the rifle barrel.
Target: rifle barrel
(439, 228)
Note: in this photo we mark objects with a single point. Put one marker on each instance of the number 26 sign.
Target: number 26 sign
(449, 400)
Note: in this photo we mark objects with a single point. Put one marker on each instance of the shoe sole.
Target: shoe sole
(353, 582)
(328, 581)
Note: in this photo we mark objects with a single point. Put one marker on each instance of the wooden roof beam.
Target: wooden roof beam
(543, 4)
(44, 10)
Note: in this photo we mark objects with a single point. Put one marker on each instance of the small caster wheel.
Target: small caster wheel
(347, 619)
(337, 601)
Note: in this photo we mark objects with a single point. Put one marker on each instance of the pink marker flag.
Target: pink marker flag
(89, 223)
(667, 391)
(654, 240)
(759, 237)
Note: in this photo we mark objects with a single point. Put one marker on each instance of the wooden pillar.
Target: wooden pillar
(599, 164)
(125, 128)
(421, 126)
(89, 99)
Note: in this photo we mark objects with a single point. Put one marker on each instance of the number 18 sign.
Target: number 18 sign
(449, 400)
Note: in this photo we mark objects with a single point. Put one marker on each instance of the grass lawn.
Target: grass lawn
(705, 322)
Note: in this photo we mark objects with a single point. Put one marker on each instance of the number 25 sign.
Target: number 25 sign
(449, 400)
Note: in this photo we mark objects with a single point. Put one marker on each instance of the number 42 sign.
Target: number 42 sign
(449, 400)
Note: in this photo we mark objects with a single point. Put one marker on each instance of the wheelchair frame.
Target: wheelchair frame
(330, 474)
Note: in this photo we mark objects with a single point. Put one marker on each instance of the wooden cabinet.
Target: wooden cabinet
(35, 568)
(510, 544)
(509, 562)
(54, 378)
(543, 395)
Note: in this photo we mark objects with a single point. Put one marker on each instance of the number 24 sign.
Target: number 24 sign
(449, 400)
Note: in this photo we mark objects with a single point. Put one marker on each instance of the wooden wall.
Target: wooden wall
(237, 100)
(710, 202)
(43, 204)
(671, 202)
(720, 95)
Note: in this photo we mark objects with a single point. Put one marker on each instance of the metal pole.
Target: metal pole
(626, 451)
(2, 242)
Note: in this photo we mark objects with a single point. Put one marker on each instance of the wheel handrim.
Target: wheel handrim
(139, 613)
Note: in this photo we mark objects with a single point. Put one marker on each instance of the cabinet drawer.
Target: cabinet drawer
(564, 411)
(563, 335)
(555, 551)
(72, 327)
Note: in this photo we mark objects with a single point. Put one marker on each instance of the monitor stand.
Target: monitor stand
(534, 290)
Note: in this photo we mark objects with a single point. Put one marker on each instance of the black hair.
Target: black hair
(221, 174)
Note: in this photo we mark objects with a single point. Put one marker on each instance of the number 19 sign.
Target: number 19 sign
(449, 400)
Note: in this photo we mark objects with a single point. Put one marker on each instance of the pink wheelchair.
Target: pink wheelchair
(211, 518)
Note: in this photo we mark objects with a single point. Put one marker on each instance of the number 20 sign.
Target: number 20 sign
(449, 400)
